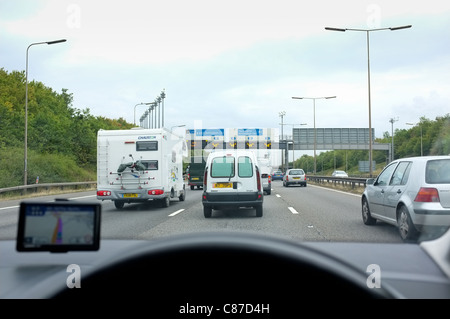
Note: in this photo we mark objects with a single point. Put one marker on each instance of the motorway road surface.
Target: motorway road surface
(300, 213)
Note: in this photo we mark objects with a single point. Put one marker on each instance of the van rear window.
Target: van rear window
(245, 166)
(222, 166)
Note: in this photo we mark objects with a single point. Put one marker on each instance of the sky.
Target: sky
(225, 64)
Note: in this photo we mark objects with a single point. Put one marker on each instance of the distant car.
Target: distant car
(277, 175)
(294, 176)
(196, 172)
(266, 180)
(339, 174)
(410, 193)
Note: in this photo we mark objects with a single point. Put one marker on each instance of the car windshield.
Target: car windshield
(107, 102)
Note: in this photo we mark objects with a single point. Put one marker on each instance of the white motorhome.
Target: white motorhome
(139, 165)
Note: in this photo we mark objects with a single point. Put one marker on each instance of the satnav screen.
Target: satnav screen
(58, 225)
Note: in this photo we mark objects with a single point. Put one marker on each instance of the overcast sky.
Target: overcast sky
(234, 63)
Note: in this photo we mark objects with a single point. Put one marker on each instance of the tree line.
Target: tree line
(428, 137)
(61, 139)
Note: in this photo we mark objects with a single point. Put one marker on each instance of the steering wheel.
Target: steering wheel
(225, 267)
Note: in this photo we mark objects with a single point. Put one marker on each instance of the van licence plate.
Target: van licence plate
(223, 185)
(130, 195)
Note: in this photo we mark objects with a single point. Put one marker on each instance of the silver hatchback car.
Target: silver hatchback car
(294, 176)
(410, 193)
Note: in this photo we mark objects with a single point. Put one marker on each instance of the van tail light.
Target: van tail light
(270, 179)
(205, 176)
(427, 194)
(103, 193)
(156, 192)
(258, 179)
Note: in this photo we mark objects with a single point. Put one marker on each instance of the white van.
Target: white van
(232, 179)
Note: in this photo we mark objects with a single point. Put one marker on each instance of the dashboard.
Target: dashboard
(230, 272)
(227, 268)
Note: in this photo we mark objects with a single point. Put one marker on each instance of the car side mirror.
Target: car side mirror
(370, 181)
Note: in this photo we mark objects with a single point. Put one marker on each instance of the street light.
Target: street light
(182, 125)
(282, 114)
(314, 115)
(163, 96)
(293, 143)
(26, 107)
(368, 77)
(421, 136)
(392, 120)
(135, 110)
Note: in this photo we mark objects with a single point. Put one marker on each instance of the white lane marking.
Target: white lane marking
(87, 196)
(278, 195)
(334, 190)
(17, 206)
(293, 211)
(1, 208)
(177, 212)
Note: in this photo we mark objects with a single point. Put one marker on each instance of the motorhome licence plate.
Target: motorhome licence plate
(223, 185)
(130, 195)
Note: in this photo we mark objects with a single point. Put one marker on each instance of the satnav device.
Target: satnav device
(58, 226)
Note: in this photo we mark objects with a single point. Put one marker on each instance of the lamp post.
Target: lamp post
(368, 77)
(282, 114)
(314, 115)
(135, 110)
(163, 96)
(26, 107)
(392, 120)
(158, 102)
(421, 136)
(182, 125)
(293, 143)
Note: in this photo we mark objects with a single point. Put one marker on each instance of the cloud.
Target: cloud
(236, 62)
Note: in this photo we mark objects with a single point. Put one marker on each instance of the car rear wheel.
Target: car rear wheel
(119, 204)
(366, 216)
(207, 211)
(406, 228)
(259, 211)
(182, 196)
(165, 202)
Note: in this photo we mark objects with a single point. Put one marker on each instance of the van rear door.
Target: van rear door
(223, 172)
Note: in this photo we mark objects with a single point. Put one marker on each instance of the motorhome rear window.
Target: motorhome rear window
(143, 146)
(222, 166)
(150, 164)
